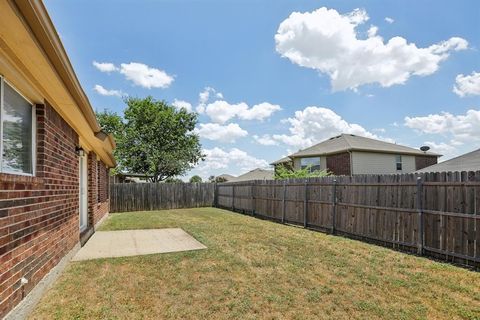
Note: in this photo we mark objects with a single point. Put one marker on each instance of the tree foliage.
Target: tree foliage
(284, 172)
(111, 122)
(153, 138)
(216, 179)
(195, 179)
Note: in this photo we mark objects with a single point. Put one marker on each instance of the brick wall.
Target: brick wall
(339, 164)
(103, 182)
(98, 202)
(39, 215)
(425, 161)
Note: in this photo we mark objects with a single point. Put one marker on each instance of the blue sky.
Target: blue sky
(279, 81)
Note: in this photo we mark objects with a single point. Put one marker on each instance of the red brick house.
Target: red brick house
(54, 158)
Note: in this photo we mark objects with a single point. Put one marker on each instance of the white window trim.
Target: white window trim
(399, 162)
(34, 130)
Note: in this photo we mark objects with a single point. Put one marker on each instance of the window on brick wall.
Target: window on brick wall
(17, 131)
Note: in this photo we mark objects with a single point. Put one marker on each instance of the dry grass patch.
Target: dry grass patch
(258, 269)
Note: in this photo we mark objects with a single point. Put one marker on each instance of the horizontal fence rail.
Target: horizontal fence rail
(157, 196)
(432, 214)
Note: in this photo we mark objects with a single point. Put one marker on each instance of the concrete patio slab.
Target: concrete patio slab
(125, 243)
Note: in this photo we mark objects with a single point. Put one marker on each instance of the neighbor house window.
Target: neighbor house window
(398, 162)
(313, 163)
(16, 131)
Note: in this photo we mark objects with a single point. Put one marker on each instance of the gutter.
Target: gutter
(40, 23)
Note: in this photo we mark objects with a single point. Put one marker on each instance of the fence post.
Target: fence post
(283, 200)
(420, 215)
(305, 205)
(334, 209)
(233, 197)
(253, 197)
(215, 194)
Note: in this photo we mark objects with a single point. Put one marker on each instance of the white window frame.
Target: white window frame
(398, 156)
(34, 129)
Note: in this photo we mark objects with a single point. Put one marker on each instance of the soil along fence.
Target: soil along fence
(157, 196)
(433, 214)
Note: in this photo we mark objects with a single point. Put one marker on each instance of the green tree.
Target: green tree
(195, 179)
(153, 138)
(216, 179)
(284, 172)
(111, 122)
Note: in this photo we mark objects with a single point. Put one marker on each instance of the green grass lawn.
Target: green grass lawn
(259, 269)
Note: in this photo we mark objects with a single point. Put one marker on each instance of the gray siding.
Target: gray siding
(380, 163)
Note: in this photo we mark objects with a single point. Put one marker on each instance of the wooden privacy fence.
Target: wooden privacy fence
(157, 196)
(434, 214)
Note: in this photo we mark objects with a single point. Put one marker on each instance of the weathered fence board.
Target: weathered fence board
(434, 214)
(157, 196)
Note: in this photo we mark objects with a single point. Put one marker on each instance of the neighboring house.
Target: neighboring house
(224, 177)
(55, 158)
(467, 162)
(255, 174)
(130, 178)
(285, 162)
(348, 154)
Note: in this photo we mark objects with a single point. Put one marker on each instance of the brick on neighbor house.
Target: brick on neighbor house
(339, 164)
(425, 161)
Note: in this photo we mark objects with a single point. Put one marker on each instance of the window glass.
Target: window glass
(398, 160)
(17, 132)
(314, 163)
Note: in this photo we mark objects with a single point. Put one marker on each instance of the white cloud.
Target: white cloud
(204, 97)
(105, 92)
(259, 111)
(214, 131)
(265, 140)
(467, 85)
(389, 20)
(217, 158)
(142, 75)
(179, 104)
(447, 150)
(105, 66)
(372, 32)
(315, 124)
(462, 128)
(328, 42)
(221, 111)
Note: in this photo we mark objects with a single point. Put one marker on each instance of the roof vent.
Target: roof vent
(424, 148)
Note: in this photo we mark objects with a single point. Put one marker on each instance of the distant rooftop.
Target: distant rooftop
(255, 174)
(283, 160)
(350, 142)
(467, 162)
